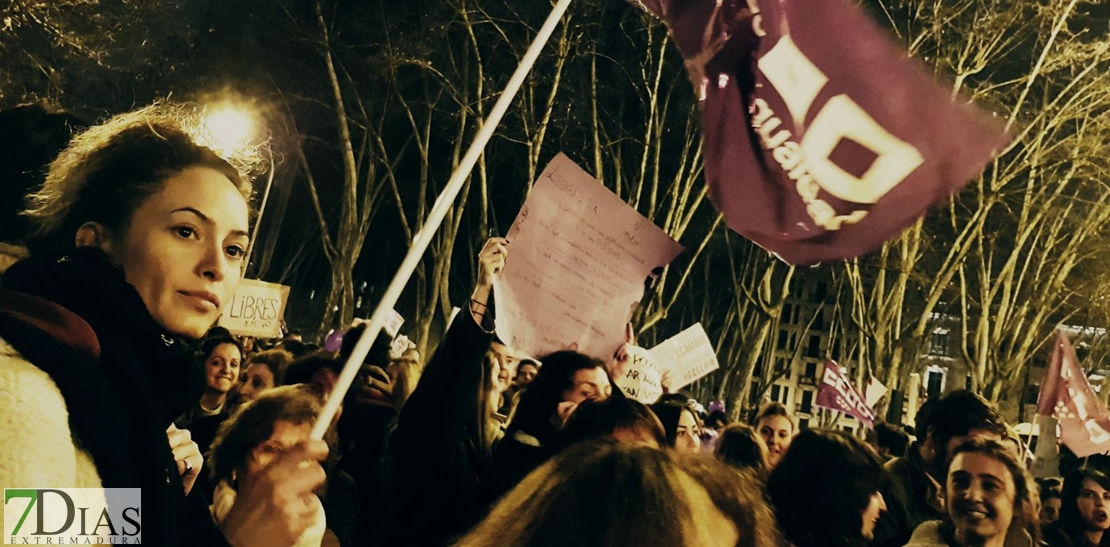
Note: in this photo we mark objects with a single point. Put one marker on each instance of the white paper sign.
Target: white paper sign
(256, 309)
(578, 258)
(393, 323)
(689, 355)
(640, 378)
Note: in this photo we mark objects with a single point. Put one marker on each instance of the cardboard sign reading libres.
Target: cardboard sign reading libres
(256, 309)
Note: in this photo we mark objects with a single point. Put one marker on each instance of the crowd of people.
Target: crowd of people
(114, 376)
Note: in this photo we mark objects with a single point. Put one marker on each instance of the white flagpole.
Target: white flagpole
(435, 218)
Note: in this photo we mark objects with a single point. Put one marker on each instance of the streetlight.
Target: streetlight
(230, 130)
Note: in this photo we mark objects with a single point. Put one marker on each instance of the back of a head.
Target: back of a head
(627, 418)
(891, 437)
(302, 369)
(276, 360)
(539, 402)
(958, 413)
(609, 494)
(821, 486)
(379, 351)
(740, 446)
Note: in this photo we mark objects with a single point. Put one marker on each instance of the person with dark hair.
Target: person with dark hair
(889, 440)
(1084, 511)
(222, 358)
(825, 490)
(717, 420)
(990, 500)
(681, 425)
(440, 451)
(608, 494)
(248, 442)
(1051, 503)
(138, 241)
(915, 490)
(741, 447)
(617, 418)
(566, 379)
(777, 427)
(264, 370)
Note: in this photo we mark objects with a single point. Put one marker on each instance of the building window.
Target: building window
(819, 320)
(938, 344)
(813, 350)
(781, 345)
(821, 292)
(807, 402)
(775, 389)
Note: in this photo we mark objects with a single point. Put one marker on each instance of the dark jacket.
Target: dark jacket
(439, 452)
(911, 499)
(121, 398)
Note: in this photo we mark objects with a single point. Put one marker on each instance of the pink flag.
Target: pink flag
(822, 139)
(1067, 396)
(836, 393)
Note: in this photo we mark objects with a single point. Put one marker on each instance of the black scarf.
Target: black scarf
(120, 405)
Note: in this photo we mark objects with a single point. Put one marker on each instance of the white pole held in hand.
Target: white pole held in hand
(435, 218)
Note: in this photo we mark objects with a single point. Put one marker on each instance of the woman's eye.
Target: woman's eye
(185, 231)
(236, 252)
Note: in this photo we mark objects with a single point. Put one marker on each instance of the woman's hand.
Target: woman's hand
(187, 455)
(491, 261)
(275, 505)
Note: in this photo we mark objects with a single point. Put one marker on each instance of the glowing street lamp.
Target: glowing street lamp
(229, 129)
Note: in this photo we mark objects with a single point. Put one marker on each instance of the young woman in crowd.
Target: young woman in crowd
(139, 241)
(223, 357)
(990, 501)
(566, 379)
(741, 447)
(252, 438)
(825, 490)
(607, 494)
(440, 451)
(681, 425)
(777, 428)
(264, 370)
(1084, 514)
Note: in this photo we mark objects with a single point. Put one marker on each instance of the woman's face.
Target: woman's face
(875, 508)
(1094, 502)
(777, 432)
(688, 437)
(286, 435)
(256, 378)
(184, 249)
(980, 495)
(221, 370)
(589, 383)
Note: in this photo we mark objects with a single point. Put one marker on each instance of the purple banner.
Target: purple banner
(836, 393)
(822, 139)
(1067, 395)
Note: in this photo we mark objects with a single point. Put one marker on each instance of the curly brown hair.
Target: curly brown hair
(110, 169)
(1027, 511)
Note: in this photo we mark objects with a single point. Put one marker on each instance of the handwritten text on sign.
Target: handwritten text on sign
(688, 355)
(641, 380)
(578, 258)
(836, 393)
(256, 309)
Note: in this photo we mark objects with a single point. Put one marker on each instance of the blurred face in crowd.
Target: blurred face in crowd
(875, 508)
(1093, 502)
(183, 249)
(980, 495)
(256, 378)
(506, 356)
(688, 435)
(222, 368)
(525, 373)
(589, 383)
(1050, 511)
(777, 432)
(286, 435)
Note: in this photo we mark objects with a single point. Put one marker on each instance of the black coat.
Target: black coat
(440, 459)
(121, 401)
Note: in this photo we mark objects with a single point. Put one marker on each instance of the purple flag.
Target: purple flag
(1067, 395)
(822, 139)
(836, 393)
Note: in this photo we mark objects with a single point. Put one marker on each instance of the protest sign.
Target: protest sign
(578, 259)
(640, 377)
(688, 355)
(836, 393)
(256, 309)
(822, 139)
